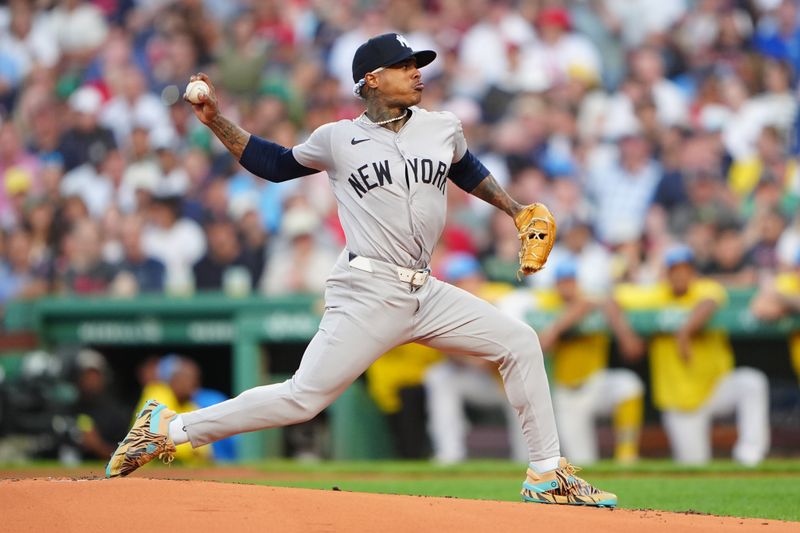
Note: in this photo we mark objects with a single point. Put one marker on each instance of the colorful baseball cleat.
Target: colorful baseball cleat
(147, 439)
(564, 487)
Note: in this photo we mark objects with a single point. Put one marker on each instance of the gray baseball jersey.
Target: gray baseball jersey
(390, 186)
(390, 189)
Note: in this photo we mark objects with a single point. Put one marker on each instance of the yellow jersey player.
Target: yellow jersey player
(692, 369)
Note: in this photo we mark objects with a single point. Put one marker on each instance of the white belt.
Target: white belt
(415, 278)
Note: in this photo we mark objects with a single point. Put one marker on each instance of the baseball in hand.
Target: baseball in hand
(194, 89)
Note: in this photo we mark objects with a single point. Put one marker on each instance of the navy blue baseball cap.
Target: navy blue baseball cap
(384, 51)
(679, 254)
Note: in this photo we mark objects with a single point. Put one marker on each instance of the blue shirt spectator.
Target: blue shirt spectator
(779, 36)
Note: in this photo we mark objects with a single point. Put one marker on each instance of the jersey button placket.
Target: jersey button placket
(399, 143)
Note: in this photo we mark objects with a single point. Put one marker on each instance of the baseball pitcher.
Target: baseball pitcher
(388, 169)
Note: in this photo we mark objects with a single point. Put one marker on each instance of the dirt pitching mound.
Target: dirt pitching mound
(153, 505)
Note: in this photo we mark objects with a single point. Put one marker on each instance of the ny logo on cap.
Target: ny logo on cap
(403, 41)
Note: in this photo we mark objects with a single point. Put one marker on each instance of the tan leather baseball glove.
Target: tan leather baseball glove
(537, 231)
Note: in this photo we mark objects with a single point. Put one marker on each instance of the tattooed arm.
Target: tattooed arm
(491, 192)
(207, 111)
(263, 158)
(232, 136)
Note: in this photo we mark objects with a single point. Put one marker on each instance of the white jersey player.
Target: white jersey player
(389, 170)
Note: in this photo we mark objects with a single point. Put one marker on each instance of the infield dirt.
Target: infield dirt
(154, 505)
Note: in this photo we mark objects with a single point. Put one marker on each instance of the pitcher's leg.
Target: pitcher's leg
(518, 446)
(335, 357)
(454, 321)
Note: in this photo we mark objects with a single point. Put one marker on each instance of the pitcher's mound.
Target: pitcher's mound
(150, 505)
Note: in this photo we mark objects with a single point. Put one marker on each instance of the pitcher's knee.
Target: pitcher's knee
(306, 412)
(524, 344)
(310, 405)
(515, 343)
(305, 403)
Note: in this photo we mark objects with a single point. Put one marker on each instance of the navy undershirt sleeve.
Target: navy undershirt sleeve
(468, 172)
(272, 161)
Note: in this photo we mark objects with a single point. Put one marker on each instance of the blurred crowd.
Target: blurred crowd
(638, 122)
(642, 124)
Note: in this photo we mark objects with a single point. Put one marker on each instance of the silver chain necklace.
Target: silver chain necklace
(364, 116)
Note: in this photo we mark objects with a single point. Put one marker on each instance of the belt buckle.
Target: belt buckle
(414, 282)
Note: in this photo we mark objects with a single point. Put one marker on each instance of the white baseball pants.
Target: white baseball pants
(449, 388)
(369, 313)
(745, 392)
(577, 409)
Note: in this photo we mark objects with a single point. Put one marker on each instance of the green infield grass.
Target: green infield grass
(771, 490)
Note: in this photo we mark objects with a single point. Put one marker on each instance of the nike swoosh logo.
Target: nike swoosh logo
(355, 141)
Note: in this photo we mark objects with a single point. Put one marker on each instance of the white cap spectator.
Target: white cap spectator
(86, 99)
(640, 19)
(767, 5)
(622, 125)
(144, 177)
(713, 118)
(163, 138)
(78, 25)
(299, 221)
(241, 204)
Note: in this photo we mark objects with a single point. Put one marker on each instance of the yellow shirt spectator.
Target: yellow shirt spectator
(399, 368)
(577, 358)
(745, 174)
(679, 384)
